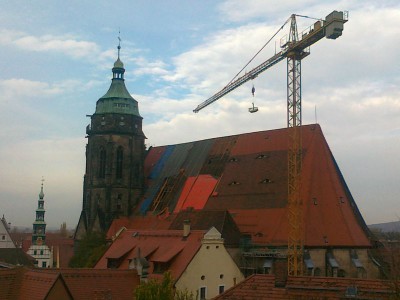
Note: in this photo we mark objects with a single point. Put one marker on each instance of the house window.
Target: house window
(41, 252)
(102, 163)
(3, 237)
(44, 264)
(160, 267)
(203, 293)
(120, 156)
(221, 289)
(34, 252)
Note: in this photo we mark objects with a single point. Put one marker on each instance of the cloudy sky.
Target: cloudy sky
(56, 59)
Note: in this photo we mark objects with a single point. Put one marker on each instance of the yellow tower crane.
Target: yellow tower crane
(294, 49)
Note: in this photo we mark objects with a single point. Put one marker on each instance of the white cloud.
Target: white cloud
(145, 67)
(65, 44)
(19, 87)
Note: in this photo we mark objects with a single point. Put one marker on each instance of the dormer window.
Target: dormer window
(266, 180)
(262, 156)
(234, 183)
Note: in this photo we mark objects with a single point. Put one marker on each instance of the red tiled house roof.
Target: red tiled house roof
(37, 285)
(246, 175)
(205, 219)
(101, 284)
(22, 283)
(199, 220)
(148, 222)
(167, 247)
(258, 287)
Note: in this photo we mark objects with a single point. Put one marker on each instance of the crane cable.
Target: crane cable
(258, 52)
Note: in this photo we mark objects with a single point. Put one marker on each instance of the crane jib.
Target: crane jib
(331, 28)
(238, 82)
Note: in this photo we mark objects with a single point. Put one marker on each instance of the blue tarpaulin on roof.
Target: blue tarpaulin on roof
(147, 202)
(160, 164)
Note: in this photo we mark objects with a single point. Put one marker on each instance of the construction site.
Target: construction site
(277, 197)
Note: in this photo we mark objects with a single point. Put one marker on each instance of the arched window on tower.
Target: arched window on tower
(120, 158)
(102, 163)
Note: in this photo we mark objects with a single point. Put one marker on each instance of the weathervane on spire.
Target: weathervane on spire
(119, 41)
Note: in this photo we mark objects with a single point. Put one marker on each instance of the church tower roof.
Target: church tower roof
(117, 99)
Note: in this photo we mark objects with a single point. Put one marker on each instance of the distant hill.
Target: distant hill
(387, 227)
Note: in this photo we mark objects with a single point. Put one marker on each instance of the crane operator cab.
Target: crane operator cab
(253, 109)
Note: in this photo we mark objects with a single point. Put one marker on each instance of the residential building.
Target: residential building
(197, 260)
(5, 237)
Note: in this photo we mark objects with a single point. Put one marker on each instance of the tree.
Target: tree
(164, 290)
(89, 251)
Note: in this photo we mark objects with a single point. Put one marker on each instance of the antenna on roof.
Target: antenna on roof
(315, 112)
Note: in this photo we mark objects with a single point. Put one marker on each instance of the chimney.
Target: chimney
(186, 228)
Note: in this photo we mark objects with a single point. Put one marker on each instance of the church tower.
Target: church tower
(39, 250)
(39, 226)
(115, 151)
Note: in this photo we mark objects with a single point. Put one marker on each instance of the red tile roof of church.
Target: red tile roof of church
(251, 174)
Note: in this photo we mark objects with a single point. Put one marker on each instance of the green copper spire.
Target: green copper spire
(39, 226)
(117, 99)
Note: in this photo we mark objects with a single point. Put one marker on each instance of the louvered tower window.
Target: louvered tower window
(102, 163)
(120, 158)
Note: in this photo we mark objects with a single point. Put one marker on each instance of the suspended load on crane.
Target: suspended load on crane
(253, 109)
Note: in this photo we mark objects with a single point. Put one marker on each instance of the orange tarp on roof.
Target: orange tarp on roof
(196, 192)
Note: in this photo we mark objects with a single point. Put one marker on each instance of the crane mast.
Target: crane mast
(295, 216)
(294, 50)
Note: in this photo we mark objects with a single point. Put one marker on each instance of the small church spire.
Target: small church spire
(118, 70)
(41, 194)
